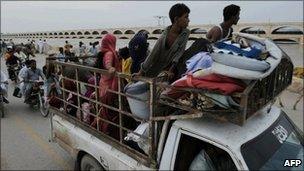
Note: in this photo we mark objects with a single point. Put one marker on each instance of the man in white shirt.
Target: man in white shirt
(31, 75)
(19, 53)
(45, 47)
(82, 49)
(40, 45)
(22, 75)
(93, 50)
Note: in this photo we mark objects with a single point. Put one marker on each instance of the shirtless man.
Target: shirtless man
(224, 30)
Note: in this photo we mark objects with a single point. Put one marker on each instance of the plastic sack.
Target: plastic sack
(143, 130)
(202, 162)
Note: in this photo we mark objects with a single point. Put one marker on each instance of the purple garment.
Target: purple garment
(138, 47)
(201, 60)
(90, 90)
(89, 93)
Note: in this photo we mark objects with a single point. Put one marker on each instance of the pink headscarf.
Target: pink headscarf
(108, 43)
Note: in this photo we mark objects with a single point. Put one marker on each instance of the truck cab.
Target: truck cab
(195, 144)
(206, 144)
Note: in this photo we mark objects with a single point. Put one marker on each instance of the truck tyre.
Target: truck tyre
(89, 163)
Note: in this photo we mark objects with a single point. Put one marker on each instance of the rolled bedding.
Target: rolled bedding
(240, 62)
(246, 68)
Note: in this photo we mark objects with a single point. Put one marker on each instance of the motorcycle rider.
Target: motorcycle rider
(21, 75)
(20, 54)
(11, 61)
(30, 78)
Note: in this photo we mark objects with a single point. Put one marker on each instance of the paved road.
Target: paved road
(25, 135)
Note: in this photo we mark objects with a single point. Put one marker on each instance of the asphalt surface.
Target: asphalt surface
(25, 134)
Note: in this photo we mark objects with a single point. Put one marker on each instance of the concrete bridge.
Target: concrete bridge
(291, 31)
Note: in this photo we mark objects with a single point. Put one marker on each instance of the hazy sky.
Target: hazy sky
(31, 16)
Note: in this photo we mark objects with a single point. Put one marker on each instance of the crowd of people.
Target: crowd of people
(21, 65)
(68, 52)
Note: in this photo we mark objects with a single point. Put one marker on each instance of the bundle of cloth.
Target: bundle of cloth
(199, 75)
(260, 57)
(228, 47)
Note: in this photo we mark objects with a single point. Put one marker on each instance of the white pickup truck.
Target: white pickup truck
(268, 141)
(253, 136)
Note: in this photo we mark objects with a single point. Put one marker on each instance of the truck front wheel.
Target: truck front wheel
(89, 163)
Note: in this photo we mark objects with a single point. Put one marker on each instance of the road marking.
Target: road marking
(36, 137)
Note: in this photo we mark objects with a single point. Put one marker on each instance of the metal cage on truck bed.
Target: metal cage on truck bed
(257, 95)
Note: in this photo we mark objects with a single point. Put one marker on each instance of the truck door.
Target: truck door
(193, 153)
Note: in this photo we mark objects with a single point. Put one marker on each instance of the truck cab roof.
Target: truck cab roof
(227, 133)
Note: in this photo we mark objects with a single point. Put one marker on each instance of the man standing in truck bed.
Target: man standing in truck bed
(170, 46)
(224, 30)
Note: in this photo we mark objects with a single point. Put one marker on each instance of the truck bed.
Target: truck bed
(256, 96)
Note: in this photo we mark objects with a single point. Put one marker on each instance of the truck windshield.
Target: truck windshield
(280, 147)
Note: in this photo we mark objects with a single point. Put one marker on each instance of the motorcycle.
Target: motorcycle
(13, 71)
(36, 98)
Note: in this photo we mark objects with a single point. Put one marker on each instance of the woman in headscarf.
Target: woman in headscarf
(111, 63)
(138, 48)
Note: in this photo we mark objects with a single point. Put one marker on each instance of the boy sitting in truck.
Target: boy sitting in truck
(170, 46)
